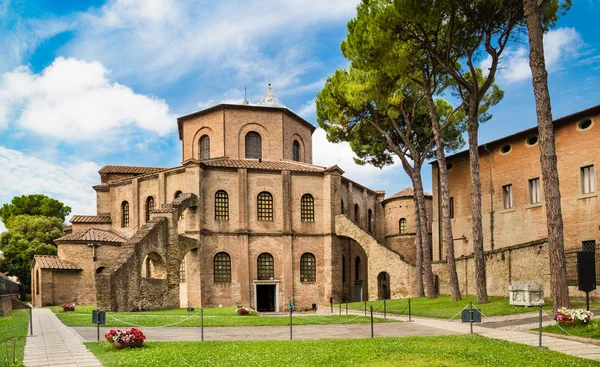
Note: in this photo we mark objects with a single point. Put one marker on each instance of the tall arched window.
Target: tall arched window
(253, 145)
(37, 281)
(307, 208)
(402, 226)
(204, 147)
(264, 206)
(182, 271)
(343, 207)
(149, 207)
(296, 151)
(125, 214)
(222, 268)
(357, 268)
(308, 268)
(221, 205)
(148, 267)
(265, 266)
(356, 214)
(369, 220)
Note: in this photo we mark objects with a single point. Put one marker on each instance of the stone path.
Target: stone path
(55, 344)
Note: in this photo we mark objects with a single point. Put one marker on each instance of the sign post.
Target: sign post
(471, 315)
(98, 318)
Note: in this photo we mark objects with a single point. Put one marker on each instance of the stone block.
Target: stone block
(526, 293)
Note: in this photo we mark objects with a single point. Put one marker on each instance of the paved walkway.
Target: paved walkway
(55, 344)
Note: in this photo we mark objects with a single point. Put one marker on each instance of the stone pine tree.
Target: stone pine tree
(540, 15)
(383, 117)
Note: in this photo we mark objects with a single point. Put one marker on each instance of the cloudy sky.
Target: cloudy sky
(84, 84)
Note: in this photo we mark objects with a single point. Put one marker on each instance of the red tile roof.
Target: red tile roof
(406, 193)
(92, 235)
(265, 165)
(53, 262)
(135, 170)
(95, 219)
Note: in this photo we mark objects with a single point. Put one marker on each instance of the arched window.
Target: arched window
(222, 268)
(253, 145)
(307, 208)
(308, 268)
(100, 269)
(37, 281)
(177, 194)
(343, 269)
(148, 267)
(221, 205)
(383, 285)
(356, 214)
(357, 268)
(369, 220)
(265, 266)
(125, 214)
(402, 226)
(204, 147)
(264, 206)
(149, 207)
(182, 271)
(296, 151)
(342, 206)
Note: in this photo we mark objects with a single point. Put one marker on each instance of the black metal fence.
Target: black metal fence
(7, 286)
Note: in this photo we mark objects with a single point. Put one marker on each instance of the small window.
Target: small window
(343, 207)
(148, 267)
(125, 214)
(100, 269)
(265, 267)
(37, 281)
(264, 206)
(370, 220)
(356, 214)
(221, 205)
(296, 151)
(149, 207)
(402, 225)
(505, 149)
(532, 140)
(253, 145)
(585, 124)
(507, 196)
(177, 194)
(449, 166)
(451, 208)
(534, 191)
(307, 208)
(222, 268)
(587, 180)
(308, 268)
(204, 147)
(588, 246)
(182, 271)
(357, 268)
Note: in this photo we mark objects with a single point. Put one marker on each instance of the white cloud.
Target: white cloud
(560, 44)
(308, 110)
(70, 182)
(74, 100)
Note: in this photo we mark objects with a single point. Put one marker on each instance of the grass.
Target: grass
(14, 325)
(82, 316)
(447, 351)
(592, 330)
(443, 307)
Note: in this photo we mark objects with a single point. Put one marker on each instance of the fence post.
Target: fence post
(372, 335)
(30, 320)
(14, 350)
(201, 324)
(471, 315)
(409, 320)
(346, 307)
(540, 346)
(340, 307)
(291, 310)
(365, 307)
(384, 309)
(331, 303)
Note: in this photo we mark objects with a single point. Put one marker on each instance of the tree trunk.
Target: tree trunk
(448, 237)
(419, 247)
(477, 227)
(558, 276)
(426, 245)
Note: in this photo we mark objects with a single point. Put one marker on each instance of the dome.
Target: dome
(269, 100)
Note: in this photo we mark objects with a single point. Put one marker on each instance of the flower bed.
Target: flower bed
(125, 338)
(572, 317)
(68, 307)
(243, 310)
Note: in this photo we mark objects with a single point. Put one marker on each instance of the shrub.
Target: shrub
(68, 307)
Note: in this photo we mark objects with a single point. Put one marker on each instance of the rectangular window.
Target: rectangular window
(587, 180)
(588, 246)
(507, 197)
(534, 191)
(451, 207)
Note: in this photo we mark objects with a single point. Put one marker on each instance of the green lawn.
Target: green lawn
(447, 351)
(82, 316)
(443, 307)
(14, 325)
(587, 331)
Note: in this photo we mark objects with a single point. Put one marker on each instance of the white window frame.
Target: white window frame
(507, 196)
(535, 192)
(588, 184)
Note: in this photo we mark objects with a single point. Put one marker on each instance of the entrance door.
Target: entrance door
(265, 297)
(357, 290)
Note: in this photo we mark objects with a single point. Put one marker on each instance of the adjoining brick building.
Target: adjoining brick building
(247, 219)
(513, 208)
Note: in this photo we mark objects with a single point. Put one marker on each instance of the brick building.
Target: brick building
(247, 219)
(513, 211)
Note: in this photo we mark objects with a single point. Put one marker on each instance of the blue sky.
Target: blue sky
(84, 84)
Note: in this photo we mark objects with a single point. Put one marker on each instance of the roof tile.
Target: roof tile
(53, 262)
(407, 192)
(95, 219)
(135, 170)
(266, 165)
(92, 235)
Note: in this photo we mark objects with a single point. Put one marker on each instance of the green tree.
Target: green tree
(34, 204)
(26, 236)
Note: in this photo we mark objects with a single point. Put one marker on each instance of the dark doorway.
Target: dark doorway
(383, 285)
(357, 290)
(265, 298)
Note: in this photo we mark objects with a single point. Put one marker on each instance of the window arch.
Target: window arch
(253, 144)
(221, 205)
(356, 214)
(370, 220)
(125, 214)
(204, 147)
(402, 225)
(296, 151)
(149, 207)
(100, 269)
(357, 268)
(222, 268)
(307, 208)
(265, 266)
(264, 206)
(177, 194)
(308, 268)
(148, 267)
